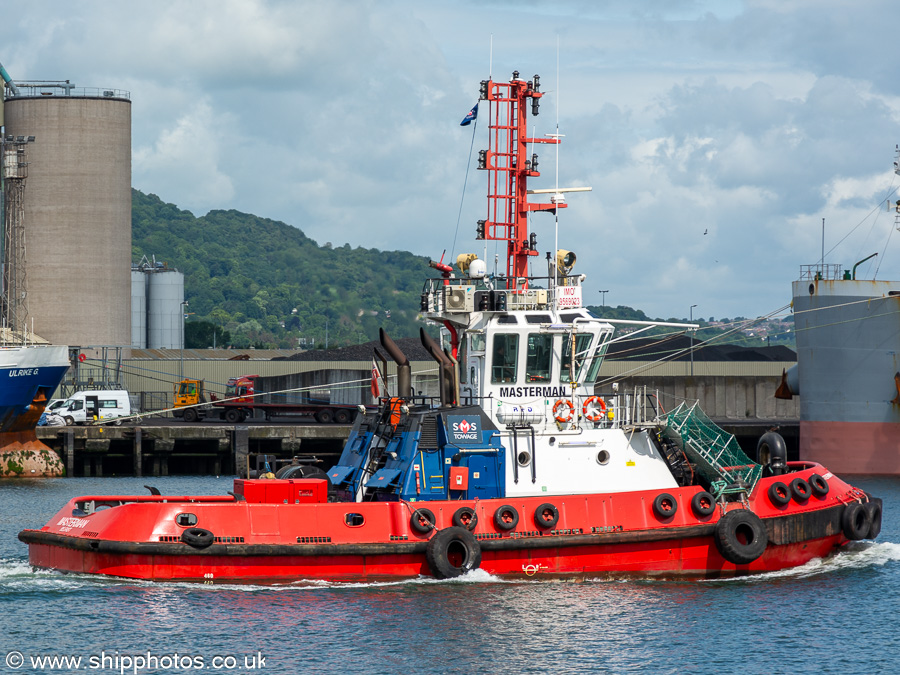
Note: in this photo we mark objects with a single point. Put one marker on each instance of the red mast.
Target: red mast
(508, 167)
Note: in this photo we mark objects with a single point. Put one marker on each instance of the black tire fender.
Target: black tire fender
(703, 504)
(422, 520)
(665, 506)
(873, 506)
(856, 521)
(452, 552)
(779, 494)
(800, 489)
(741, 536)
(197, 537)
(818, 485)
(465, 517)
(546, 516)
(506, 518)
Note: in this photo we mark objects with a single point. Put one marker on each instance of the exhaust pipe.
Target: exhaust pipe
(448, 378)
(404, 379)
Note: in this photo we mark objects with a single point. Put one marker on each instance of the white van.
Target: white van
(87, 406)
(56, 403)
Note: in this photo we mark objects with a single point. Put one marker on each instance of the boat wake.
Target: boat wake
(857, 555)
(18, 576)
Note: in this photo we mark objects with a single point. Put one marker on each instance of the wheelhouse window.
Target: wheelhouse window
(540, 357)
(504, 357)
(570, 370)
(594, 368)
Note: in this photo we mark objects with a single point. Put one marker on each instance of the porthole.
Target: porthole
(186, 519)
(603, 458)
(354, 519)
(812, 289)
(523, 458)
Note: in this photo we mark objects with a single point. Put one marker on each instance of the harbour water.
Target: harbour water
(832, 616)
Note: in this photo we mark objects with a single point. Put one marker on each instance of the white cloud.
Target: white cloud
(191, 147)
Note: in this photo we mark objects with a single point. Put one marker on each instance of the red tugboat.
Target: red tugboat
(522, 470)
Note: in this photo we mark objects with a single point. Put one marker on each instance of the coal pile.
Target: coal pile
(654, 348)
(412, 347)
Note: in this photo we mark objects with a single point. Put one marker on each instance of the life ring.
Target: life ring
(546, 516)
(873, 506)
(197, 537)
(741, 536)
(801, 489)
(703, 504)
(818, 485)
(506, 518)
(465, 517)
(665, 506)
(560, 414)
(82, 357)
(422, 521)
(779, 494)
(856, 521)
(452, 552)
(598, 409)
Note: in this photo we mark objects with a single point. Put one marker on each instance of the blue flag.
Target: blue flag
(470, 116)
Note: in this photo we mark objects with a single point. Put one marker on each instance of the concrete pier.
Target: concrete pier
(186, 449)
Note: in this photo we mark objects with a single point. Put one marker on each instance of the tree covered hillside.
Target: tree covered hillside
(269, 285)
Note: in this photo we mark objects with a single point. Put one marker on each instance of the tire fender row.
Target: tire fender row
(799, 489)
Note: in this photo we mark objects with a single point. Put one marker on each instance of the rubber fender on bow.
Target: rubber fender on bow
(703, 504)
(741, 536)
(197, 537)
(779, 494)
(873, 506)
(800, 489)
(452, 552)
(856, 521)
(818, 485)
(665, 506)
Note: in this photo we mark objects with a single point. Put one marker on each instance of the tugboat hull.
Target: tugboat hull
(593, 535)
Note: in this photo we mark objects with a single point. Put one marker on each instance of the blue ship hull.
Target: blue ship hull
(28, 377)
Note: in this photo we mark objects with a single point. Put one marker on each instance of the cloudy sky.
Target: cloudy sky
(716, 135)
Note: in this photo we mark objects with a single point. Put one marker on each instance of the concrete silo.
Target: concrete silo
(77, 211)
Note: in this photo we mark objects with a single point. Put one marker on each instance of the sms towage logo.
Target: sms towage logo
(464, 430)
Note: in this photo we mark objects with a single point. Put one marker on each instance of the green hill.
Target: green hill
(261, 282)
(264, 283)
